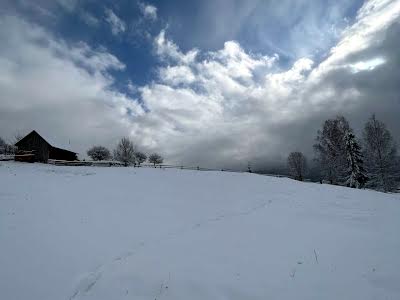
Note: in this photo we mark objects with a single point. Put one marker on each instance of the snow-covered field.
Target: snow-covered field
(125, 233)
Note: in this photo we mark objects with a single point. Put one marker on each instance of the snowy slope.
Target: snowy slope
(124, 233)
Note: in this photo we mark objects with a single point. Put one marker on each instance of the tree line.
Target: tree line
(125, 152)
(340, 156)
(344, 159)
(8, 147)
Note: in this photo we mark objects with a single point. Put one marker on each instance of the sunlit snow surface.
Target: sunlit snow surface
(125, 233)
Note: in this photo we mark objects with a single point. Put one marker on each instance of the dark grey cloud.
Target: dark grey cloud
(263, 118)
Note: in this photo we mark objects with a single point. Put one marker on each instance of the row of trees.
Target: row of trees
(9, 148)
(343, 159)
(125, 152)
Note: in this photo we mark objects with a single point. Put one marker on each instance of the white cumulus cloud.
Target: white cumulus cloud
(63, 91)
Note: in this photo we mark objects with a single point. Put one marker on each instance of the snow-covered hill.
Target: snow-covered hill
(125, 233)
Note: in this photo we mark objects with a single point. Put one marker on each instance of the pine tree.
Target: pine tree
(355, 170)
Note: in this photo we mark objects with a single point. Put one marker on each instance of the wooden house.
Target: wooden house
(42, 150)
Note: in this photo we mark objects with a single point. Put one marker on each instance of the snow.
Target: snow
(5, 157)
(128, 233)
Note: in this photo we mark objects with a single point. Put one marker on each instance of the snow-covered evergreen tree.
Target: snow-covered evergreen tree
(355, 170)
(380, 154)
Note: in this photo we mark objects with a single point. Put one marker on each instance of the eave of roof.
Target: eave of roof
(63, 149)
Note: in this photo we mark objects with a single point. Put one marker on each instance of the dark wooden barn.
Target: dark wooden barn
(42, 150)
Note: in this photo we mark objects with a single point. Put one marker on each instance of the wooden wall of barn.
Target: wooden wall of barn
(36, 143)
(61, 154)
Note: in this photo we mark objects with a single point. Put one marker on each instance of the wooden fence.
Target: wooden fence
(145, 165)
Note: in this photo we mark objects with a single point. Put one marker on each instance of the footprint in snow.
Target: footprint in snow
(86, 284)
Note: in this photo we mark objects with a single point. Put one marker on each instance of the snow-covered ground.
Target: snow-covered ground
(125, 233)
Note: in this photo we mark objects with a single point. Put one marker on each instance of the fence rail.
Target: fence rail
(143, 165)
(161, 166)
(182, 167)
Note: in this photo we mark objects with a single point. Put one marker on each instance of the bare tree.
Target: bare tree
(7, 149)
(330, 149)
(297, 164)
(380, 152)
(3, 146)
(17, 137)
(99, 153)
(140, 157)
(155, 159)
(125, 152)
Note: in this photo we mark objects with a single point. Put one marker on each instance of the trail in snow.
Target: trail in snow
(87, 282)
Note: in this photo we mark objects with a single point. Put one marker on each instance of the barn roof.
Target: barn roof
(34, 132)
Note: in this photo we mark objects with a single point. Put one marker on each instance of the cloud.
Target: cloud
(68, 5)
(117, 25)
(177, 75)
(167, 49)
(219, 108)
(143, 28)
(367, 65)
(149, 11)
(63, 91)
(293, 29)
(38, 9)
(242, 106)
(89, 19)
(373, 18)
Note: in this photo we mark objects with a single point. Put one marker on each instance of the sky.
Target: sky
(215, 83)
